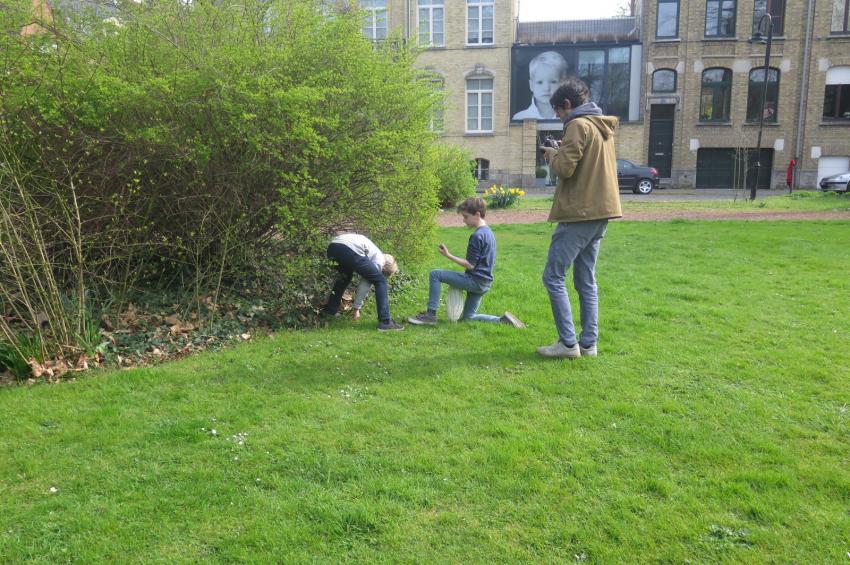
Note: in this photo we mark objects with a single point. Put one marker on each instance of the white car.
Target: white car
(838, 183)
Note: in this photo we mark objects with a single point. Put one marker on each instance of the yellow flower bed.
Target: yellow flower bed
(498, 196)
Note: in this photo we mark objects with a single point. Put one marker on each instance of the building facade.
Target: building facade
(705, 82)
(696, 80)
(479, 54)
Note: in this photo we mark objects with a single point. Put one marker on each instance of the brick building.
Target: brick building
(698, 75)
(472, 46)
(704, 82)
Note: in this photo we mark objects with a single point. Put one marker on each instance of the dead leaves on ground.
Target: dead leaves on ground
(138, 335)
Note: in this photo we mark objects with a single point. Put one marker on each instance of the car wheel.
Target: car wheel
(644, 186)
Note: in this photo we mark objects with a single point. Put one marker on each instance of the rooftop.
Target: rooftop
(575, 31)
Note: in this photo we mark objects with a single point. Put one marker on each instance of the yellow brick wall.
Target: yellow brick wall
(691, 53)
(630, 142)
(455, 62)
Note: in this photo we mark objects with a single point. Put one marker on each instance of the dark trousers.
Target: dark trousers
(348, 262)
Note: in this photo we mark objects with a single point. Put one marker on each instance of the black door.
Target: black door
(661, 138)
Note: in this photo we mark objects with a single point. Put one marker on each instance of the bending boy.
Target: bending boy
(478, 271)
(355, 253)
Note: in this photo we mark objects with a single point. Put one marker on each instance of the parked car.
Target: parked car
(637, 178)
(838, 183)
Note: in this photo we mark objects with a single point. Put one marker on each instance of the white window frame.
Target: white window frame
(478, 7)
(479, 94)
(658, 13)
(432, 7)
(482, 169)
(370, 25)
(840, 17)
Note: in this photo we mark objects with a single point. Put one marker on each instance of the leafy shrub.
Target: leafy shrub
(195, 145)
(498, 196)
(541, 173)
(454, 173)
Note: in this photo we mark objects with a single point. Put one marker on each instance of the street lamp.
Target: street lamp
(759, 38)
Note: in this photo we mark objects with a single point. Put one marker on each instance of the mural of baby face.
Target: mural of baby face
(543, 84)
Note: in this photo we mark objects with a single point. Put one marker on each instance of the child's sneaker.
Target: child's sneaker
(510, 318)
(587, 351)
(423, 319)
(391, 326)
(560, 350)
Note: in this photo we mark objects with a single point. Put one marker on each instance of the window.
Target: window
(777, 13)
(482, 169)
(715, 96)
(664, 80)
(375, 22)
(836, 98)
(479, 22)
(431, 20)
(840, 16)
(720, 18)
(591, 70)
(606, 72)
(616, 98)
(438, 112)
(754, 95)
(667, 19)
(479, 105)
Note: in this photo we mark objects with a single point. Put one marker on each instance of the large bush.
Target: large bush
(453, 166)
(204, 143)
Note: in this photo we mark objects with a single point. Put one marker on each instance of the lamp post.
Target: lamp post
(758, 38)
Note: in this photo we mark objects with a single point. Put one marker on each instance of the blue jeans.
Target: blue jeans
(475, 290)
(348, 262)
(575, 244)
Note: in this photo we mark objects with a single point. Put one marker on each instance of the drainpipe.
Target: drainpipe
(804, 87)
(407, 19)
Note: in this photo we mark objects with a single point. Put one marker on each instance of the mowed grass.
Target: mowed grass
(712, 428)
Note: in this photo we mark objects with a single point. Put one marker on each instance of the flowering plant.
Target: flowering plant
(498, 196)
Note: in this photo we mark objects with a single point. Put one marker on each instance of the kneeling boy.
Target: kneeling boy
(478, 270)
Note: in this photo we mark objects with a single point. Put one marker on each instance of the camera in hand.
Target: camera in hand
(548, 141)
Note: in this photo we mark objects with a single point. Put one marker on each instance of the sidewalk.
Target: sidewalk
(674, 194)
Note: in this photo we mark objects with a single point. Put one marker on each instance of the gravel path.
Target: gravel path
(451, 219)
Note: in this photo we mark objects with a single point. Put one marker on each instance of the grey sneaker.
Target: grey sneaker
(423, 319)
(559, 350)
(510, 318)
(391, 326)
(587, 351)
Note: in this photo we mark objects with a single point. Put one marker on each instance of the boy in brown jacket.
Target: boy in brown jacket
(587, 196)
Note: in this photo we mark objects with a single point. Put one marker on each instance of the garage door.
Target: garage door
(725, 168)
(828, 166)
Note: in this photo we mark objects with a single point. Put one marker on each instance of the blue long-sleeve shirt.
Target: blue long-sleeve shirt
(481, 253)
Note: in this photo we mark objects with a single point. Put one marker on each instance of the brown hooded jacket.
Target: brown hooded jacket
(586, 165)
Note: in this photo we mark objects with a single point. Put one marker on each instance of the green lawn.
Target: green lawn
(714, 427)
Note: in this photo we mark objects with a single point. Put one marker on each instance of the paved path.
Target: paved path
(451, 219)
(676, 194)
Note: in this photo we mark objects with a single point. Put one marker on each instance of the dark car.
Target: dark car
(637, 178)
(838, 183)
